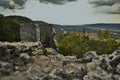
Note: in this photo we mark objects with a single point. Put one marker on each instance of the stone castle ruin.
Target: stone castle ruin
(26, 31)
(34, 32)
(22, 29)
(30, 32)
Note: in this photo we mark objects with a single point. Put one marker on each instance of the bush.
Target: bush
(9, 30)
(77, 44)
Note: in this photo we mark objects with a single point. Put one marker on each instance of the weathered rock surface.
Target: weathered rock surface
(25, 61)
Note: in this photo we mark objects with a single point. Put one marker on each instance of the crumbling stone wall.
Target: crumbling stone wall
(30, 32)
(39, 31)
(47, 35)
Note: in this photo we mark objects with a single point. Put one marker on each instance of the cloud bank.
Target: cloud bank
(19, 4)
(12, 4)
(101, 6)
(56, 1)
(106, 6)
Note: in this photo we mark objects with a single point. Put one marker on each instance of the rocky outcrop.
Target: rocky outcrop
(26, 61)
(18, 28)
(15, 56)
(47, 34)
(39, 31)
(30, 32)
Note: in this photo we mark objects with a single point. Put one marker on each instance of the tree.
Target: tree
(9, 30)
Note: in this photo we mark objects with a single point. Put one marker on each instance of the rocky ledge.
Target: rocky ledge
(26, 61)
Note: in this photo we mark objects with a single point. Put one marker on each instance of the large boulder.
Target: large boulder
(90, 55)
(115, 61)
(118, 69)
(104, 64)
(115, 58)
(116, 77)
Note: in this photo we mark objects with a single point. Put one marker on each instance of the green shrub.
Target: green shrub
(77, 44)
(9, 30)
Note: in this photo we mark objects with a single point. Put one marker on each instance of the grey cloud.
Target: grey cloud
(98, 3)
(19, 4)
(12, 4)
(106, 6)
(60, 2)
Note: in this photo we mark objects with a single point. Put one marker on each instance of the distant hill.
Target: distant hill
(110, 26)
(113, 27)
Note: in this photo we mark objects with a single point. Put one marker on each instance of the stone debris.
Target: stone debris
(23, 62)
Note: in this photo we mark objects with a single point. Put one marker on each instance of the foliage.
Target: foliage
(10, 27)
(9, 30)
(105, 35)
(77, 44)
(20, 19)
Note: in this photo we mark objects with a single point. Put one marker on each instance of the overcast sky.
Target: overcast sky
(64, 11)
